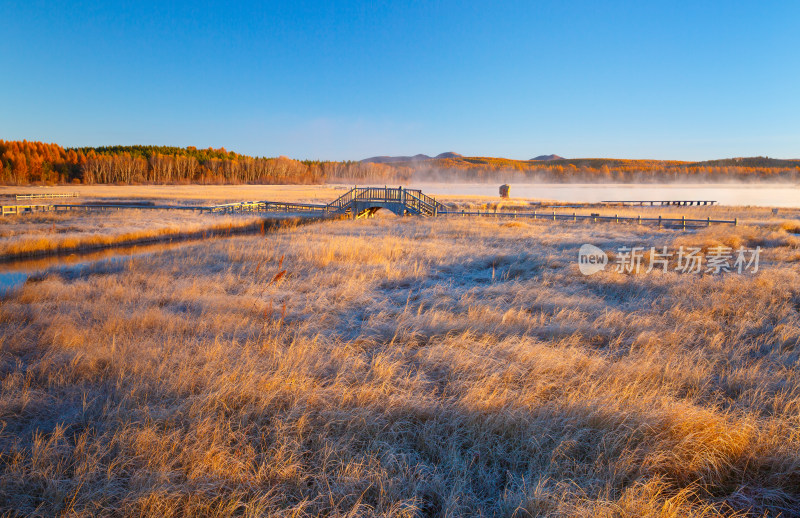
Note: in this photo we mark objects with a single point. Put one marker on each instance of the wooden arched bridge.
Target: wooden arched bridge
(357, 202)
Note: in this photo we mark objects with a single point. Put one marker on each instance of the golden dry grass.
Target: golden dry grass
(406, 367)
(42, 233)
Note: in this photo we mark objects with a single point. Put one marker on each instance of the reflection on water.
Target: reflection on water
(13, 274)
(767, 195)
(12, 280)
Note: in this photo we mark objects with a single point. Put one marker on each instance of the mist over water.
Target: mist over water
(767, 195)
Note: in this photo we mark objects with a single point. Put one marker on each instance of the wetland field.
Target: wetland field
(450, 366)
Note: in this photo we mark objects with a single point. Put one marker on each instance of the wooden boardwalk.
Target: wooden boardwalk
(11, 210)
(662, 203)
(364, 202)
(47, 195)
(681, 222)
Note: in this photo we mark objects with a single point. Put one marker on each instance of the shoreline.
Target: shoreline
(217, 231)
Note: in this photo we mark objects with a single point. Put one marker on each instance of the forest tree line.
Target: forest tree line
(23, 163)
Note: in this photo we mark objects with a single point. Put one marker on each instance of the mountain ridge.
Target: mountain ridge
(555, 160)
(385, 159)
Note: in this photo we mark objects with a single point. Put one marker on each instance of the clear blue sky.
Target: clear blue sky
(347, 80)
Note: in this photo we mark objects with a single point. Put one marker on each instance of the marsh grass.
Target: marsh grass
(406, 367)
(43, 233)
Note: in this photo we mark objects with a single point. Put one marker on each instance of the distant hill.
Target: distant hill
(415, 158)
(457, 161)
(548, 157)
(393, 159)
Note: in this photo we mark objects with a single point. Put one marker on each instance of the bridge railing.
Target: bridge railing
(341, 203)
(377, 194)
(431, 201)
(423, 204)
(387, 194)
(414, 198)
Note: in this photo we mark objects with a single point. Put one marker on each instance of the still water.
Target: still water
(13, 274)
(767, 195)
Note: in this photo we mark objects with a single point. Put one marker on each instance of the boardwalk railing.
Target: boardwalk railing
(265, 206)
(659, 202)
(47, 195)
(365, 200)
(681, 222)
(11, 210)
(356, 199)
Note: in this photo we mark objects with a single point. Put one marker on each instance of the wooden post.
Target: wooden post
(659, 222)
(708, 221)
(683, 222)
(735, 222)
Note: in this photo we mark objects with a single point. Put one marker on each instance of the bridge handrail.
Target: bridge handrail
(433, 202)
(342, 202)
(423, 205)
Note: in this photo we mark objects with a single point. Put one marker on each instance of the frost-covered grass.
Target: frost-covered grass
(406, 367)
(37, 233)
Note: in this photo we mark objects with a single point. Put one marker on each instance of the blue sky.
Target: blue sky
(347, 80)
